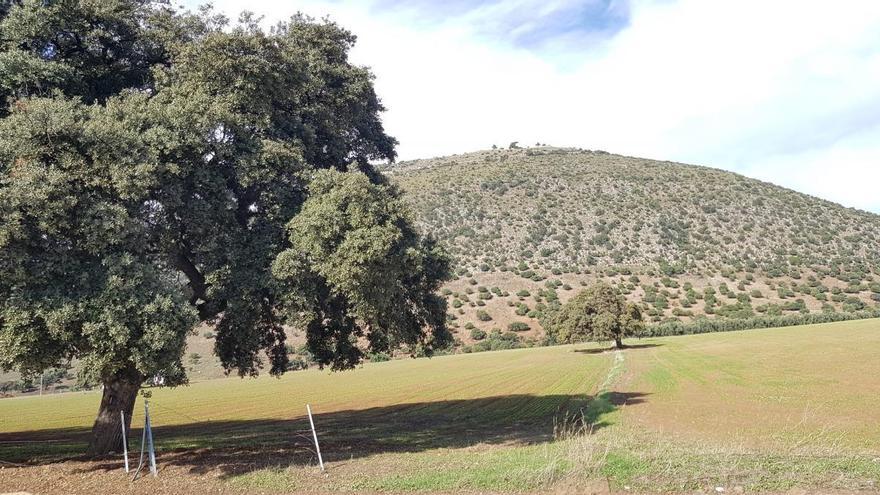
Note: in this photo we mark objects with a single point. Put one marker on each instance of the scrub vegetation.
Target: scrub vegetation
(683, 242)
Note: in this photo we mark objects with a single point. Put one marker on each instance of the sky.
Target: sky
(782, 91)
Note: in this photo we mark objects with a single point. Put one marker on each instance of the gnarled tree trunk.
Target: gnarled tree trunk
(120, 393)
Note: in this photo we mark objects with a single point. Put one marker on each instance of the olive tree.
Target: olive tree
(159, 169)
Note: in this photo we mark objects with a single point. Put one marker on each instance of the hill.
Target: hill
(685, 241)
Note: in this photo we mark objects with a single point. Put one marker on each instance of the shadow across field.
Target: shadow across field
(240, 446)
(603, 350)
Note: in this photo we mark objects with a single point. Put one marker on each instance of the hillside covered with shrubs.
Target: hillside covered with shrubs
(528, 228)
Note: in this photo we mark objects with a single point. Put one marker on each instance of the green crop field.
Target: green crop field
(755, 410)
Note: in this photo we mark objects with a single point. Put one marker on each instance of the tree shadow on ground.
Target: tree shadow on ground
(241, 446)
(603, 350)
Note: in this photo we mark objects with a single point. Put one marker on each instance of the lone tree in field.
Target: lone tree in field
(598, 314)
(160, 169)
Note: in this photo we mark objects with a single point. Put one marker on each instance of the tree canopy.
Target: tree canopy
(159, 168)
(597, 313)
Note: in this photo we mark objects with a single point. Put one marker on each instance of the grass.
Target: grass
(761, 410)
(474, 390)
(769, 385)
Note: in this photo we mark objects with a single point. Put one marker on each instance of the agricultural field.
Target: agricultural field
(752, 411)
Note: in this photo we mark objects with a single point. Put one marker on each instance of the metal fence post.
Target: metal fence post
(149, 432)
(315, 436)
(124, 439)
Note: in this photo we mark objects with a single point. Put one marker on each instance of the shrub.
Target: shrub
(297, 363)
(378, 357)
(483, 315)
(519, 326)
(706, 325)
(478, 334)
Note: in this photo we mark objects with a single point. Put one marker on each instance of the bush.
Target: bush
(297, 363)
(378, 357)
(519, 326)
(483, 315)
(478, 334)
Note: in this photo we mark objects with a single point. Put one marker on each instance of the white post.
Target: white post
(124, 439)
(315, 436)
(41, 383)
(149, 433)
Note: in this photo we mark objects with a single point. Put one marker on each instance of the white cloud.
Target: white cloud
(787, 91)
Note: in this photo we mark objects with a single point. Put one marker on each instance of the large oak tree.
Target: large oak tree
(160, 169)
(598, 313)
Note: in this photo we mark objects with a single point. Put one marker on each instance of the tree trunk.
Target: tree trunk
(618, 342)
(120, 393)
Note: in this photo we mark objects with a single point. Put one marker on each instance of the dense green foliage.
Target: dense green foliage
(598, 313)
(706, 325)
(155, 167)
(352, 246)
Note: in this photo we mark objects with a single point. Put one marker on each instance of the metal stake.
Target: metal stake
(315, 436)
(149, 433)
(124, 439)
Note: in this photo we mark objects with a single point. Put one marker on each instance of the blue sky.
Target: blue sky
(537, 26)
(785, 91)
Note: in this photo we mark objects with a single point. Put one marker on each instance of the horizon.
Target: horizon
(793, 103)
(525, 147)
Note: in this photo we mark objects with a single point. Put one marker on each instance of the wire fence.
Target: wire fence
(69, 442)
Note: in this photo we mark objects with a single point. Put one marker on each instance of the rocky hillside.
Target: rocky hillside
(527, 227)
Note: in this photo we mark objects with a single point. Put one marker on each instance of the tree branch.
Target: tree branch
(197, 284)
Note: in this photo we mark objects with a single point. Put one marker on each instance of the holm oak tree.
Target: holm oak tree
(598, 313)
(159, 169)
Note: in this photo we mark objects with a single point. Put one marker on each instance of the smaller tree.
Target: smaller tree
(598, 314)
